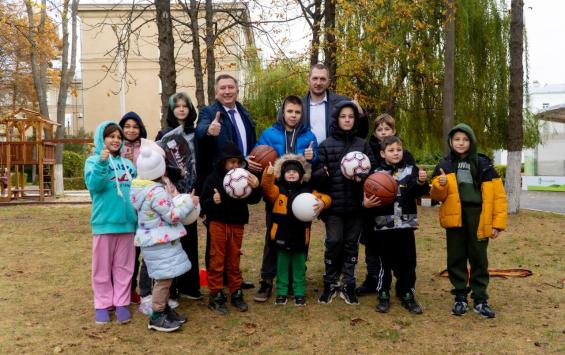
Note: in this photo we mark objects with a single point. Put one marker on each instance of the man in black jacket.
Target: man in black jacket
(320, 102)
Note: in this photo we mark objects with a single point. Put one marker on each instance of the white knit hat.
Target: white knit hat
(151, 161)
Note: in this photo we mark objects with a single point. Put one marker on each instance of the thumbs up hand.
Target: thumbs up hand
(422, 174)
(217, 198)
(442, 177)
(270, 169)
(309, 152)
(215, 126)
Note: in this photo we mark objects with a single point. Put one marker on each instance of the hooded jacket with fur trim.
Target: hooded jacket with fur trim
(494, 204)
(287, 232)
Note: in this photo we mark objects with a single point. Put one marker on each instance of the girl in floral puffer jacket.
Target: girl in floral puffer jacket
(159, 230)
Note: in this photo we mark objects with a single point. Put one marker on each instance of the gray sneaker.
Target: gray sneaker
(264, 291)
(484, 309)
(460, 306)
(162, 323)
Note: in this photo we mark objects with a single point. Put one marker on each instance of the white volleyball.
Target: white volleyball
(193, 215)
(303, 207)
(354, 163)
(236, 183)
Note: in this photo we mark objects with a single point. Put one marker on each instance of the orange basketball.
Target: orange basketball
(381, 185)
(264, 154)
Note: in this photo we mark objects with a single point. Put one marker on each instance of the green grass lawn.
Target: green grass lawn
(560, 188)
(47, 306)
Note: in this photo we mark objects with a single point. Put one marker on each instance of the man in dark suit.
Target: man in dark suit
(225, 120)
(319, 103)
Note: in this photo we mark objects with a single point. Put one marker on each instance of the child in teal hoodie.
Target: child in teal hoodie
(108, 179)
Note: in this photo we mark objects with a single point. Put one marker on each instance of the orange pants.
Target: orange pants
(225, 253)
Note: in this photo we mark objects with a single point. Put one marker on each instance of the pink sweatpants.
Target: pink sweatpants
(113, 258)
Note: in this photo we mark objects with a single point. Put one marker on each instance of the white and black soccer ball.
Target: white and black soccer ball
(354, 163)
(236, 184)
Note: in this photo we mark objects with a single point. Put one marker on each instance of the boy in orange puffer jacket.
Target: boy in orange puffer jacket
(473, 209)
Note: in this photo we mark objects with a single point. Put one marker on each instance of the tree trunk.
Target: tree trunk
(516, 96)
(67, 75)
(35, 57)
(167, 71)
(196, 58)
(330, 47)
(210, 60)
(316, 25)
(449, 74)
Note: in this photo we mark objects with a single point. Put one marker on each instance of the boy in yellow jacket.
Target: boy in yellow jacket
(473, 209)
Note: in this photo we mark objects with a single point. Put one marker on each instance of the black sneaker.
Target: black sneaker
(238, 302)
(280, 300)
(383, 302)
(191, 295)
(173, 316)
(300, 301)
(409, 302)
(368, 287)
(161, 323)
(217, 303)
(348, 294)
(460, 306)
(264, 291)
(483, 308)
(246, 285)
(328, 294)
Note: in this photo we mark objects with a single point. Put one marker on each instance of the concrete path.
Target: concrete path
(543, 201)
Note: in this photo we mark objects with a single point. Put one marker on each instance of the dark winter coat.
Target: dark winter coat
(229, 210)
(403, 212)
(346, 195)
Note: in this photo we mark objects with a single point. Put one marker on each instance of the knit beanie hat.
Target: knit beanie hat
(293, 165)
(151, 161)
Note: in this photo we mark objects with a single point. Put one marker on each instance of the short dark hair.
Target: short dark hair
(319, 66)
(111, 128)
(390, 140)
(226, 76)
(292, 99)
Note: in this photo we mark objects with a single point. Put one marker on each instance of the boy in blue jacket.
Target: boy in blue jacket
(288, 135)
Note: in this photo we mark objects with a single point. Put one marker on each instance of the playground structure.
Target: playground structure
(25, 140)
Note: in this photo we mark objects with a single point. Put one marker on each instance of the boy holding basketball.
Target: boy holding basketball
(288, 235)
(473, 209)
(226, 216)
(393, 225)
(384, 127)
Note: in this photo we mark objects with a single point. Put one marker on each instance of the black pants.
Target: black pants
(396, 250)
(341, 247)
(190, 281)
(269, 264)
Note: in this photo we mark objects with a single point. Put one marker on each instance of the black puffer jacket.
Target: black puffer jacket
(229, 210)
(346, 194)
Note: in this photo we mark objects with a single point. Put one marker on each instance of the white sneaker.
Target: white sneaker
(173, 304)
(145, 306)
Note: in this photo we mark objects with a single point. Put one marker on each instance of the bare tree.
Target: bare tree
(38, 66)
(314, 20)
(166, 43)
(516, 97)
(449, 73)
(67, 75)
(330, 46)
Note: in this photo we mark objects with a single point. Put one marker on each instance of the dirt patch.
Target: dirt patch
(46, 300)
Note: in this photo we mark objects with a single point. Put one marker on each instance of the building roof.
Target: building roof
(555, 113)
(547, 89)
